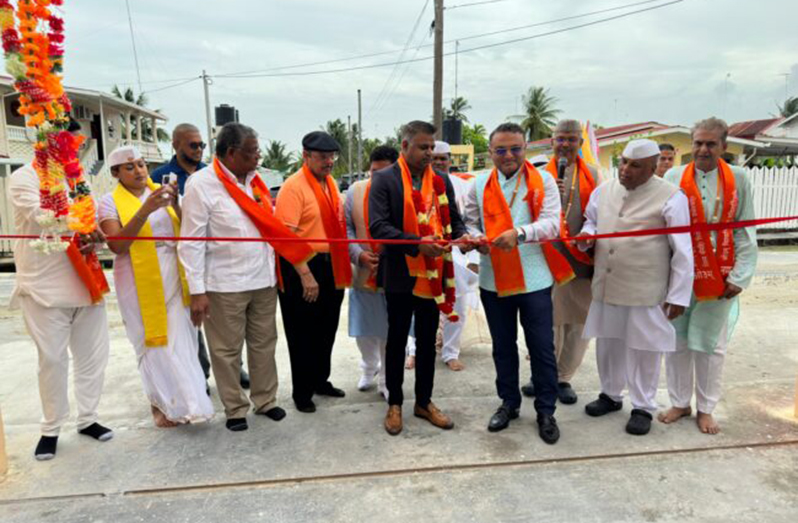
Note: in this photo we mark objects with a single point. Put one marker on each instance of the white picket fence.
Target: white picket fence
(775, 194)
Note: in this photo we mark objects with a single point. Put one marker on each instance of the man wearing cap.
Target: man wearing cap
(465, 278)
(576, 180)
(640, 282)
(725, 262)
(310, 205)
(60, 316)
(233, 284)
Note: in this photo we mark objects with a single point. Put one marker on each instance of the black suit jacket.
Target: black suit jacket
(386, 218)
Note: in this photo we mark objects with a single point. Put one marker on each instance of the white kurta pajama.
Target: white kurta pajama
(171, 375)
(58, 315)
(630, 340)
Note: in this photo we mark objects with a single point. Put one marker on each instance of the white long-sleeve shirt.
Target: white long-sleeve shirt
(209, 210)
(50, 279)
(646, 328)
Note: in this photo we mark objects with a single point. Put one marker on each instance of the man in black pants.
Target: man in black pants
(388, 200)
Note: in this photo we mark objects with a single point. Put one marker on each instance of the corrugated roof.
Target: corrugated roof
(751, 128)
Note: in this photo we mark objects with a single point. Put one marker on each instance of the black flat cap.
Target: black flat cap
(320, 141)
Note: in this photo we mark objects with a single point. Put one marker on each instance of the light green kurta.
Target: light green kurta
(702, 323)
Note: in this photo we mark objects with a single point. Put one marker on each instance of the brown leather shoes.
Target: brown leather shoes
(434, 416)
(393, 420)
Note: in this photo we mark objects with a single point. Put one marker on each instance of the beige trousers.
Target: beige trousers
(569, 349)
(236, 317)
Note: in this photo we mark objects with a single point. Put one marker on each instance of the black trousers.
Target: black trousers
(402, 307)
(310, 328)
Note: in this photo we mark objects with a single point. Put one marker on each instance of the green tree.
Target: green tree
(476, 136)
(539, 113)
(146, 125)
(789, 108)
(456, 109)
(275, 156)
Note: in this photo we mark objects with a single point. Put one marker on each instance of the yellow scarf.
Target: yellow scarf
(147, 270)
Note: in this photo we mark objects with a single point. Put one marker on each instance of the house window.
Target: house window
(12, 112)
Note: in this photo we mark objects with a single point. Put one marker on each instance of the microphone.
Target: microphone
(562, 163)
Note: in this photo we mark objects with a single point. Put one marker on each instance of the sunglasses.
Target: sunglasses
(197, 145)
(515, 151)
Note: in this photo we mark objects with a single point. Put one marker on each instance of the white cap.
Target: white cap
(539, 160)
(640, 149)
(124, 154)
(442, 148)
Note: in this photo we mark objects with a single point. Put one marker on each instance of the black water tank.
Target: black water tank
(226, 114)
(453, 132)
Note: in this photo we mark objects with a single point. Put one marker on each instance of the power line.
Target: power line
(133, 39)
(471, 49)
(470, 4)
(173, 85)
(244, 74)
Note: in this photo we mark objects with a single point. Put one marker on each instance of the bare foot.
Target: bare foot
(161, 420)
(707, 424)
(674, 414)
(410, 362)
(455, 365)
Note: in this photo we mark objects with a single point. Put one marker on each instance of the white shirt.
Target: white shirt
(50, 279)
(209, 210)
(646, 328)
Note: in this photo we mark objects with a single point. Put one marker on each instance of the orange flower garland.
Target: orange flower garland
(34, 58)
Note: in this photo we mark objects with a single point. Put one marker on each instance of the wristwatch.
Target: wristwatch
(521, 234)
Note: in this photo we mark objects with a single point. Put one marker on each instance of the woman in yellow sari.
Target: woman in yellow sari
(151, 290)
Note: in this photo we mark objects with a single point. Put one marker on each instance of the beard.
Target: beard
(190, 161)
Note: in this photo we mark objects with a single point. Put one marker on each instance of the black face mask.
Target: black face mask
(189, 161)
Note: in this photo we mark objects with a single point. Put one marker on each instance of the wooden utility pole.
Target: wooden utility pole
(349, 146)
(359, 165)
(437, 85)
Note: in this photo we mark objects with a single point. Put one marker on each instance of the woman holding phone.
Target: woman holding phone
(152, 291)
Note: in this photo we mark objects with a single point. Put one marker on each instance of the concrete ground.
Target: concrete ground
(339, 465)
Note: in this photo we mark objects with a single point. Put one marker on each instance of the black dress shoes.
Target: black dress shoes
(305, 406)
(501, 419)
(274, 413)
(328, 390)
(548, 429)
(603, 405)
(236, 424)
(566, 394)
(639, 423)
(528, 390)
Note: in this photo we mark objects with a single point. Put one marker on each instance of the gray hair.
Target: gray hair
(232, 136)
(712, 124)
(183, 128)
(568, 126)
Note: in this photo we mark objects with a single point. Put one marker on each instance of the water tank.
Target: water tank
(453, 132)
(226, 114)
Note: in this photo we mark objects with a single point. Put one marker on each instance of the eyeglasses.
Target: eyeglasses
(197, 145)
(566, 139)
(325, 157)
(501, 151)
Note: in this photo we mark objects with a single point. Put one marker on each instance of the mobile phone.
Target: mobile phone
(169, 179)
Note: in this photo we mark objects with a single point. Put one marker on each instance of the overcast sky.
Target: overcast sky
(685, 61)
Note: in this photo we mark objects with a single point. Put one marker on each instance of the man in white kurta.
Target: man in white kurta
(639, 283)
(61, 319)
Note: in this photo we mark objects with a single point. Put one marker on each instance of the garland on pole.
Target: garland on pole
(34, 57)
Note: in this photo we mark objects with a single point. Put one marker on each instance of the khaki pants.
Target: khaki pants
(569, 348)
(236, 317)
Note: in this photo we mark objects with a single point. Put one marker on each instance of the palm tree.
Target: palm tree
(275, 156)
(789, 108)
(539, 113)
(456, 110)
(146, 125)
(338, 130)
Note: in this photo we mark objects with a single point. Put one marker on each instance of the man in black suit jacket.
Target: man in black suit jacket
(386, 220)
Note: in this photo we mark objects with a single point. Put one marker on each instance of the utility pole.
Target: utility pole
(359, 132)
(349, 148)
(133, 40)
(437, 86)
(206, 81)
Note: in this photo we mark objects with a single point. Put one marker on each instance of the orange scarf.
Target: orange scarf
(331, 216)
(587, 184)
(417, 265)
(711, 267)
(89, 270)
(507, 269)
(260, 212)
(371, 283)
